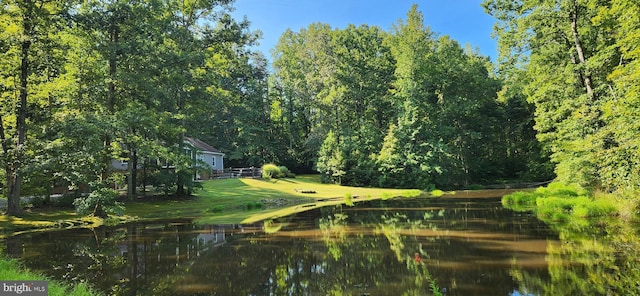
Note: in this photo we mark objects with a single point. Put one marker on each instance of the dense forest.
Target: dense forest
(406, 108)
(86, 82)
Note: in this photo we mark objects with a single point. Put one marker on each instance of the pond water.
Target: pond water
(466, 245)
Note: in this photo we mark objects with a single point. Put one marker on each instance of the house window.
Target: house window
(213, 162)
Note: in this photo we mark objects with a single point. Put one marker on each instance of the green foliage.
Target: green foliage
(285, 172)
(411, 193)
(579, 70)
(217, 209)
(253, 205)
(331, 160)
(561, 203)
(519, 198)
(559, 189)
(107, 81)
(475, 187)
(341, 91)
(437, 193)
(12, 270)
(348, 199)
(276, 172)
(271, 171)
(99, 202)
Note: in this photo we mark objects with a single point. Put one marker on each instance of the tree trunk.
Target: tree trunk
(98, 210)
(586, 76)
(111, 95)
(133, 174)
(14, 178)
(13, 193)
(144, 176)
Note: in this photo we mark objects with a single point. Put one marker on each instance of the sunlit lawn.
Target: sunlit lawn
(43, 219)
(219, 201)
(224, 201)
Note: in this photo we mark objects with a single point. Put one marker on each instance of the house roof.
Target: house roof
(200, 145)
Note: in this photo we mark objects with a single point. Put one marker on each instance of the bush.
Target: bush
(348, 199)
(253, 205)
(557, 189)
(270, 171)
(520, 198)
(100, 202)
(273, 171)
(411, 193)
(437, 193)
(285, 172)
(66, 200)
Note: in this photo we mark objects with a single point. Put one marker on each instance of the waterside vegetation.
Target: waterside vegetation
(570, 204)
(599, 236)
(13, 271)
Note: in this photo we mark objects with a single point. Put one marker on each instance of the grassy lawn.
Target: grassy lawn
(228, 200)
(224, 201)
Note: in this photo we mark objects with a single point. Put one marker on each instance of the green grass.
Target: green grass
(218, 202)
(12, 271)
(228, 200)
(561, 203)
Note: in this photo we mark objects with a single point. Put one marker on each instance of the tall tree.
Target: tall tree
(576, 54)
(619, 161)
(203, 52)
(28, 27)
(446, 130)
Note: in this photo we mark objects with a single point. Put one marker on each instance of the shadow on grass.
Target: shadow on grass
(284, 180)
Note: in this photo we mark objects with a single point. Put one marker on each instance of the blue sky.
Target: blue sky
(463, 20)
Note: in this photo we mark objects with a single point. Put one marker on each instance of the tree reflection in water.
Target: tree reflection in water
(393, 247)
(599, 256)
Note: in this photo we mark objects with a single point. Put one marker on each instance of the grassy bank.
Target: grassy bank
(569, 204)
(249, 200)
(11, 270)
(219, 201)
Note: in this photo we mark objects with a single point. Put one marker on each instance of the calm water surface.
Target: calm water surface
(467, 245)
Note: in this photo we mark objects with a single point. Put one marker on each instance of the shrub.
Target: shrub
(65, 200)
(600, 207)
(411, 193)
(270, 171)
(285, 172)
(437, 193)
(561, 203)
(519, 198)
(252, 205)
(217, 209)
(348, 199)
(562, 190)
(100, 202)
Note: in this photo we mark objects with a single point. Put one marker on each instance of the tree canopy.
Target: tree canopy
(405, 108)
(577, 59)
